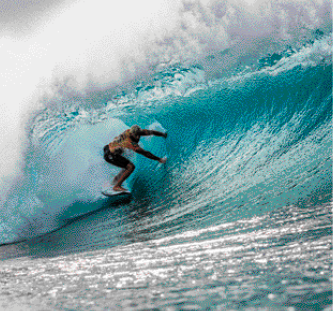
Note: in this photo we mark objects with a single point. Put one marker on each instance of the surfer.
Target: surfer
(128, 139)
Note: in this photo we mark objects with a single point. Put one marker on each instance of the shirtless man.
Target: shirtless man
(128, 139)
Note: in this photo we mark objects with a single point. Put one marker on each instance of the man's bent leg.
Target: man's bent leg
(128, 171)
(115, 180)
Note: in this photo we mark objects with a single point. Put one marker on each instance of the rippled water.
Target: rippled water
(244, 265)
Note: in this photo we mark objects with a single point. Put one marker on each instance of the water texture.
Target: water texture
(240, 216)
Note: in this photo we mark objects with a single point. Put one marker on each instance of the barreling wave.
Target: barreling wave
(243, 139)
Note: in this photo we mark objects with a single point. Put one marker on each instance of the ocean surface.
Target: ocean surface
(240, 216)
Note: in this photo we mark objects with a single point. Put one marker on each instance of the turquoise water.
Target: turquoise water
(239, 218)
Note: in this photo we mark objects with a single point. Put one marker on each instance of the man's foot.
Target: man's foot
(119, 188)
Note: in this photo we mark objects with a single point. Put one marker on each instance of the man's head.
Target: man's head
(135, 129)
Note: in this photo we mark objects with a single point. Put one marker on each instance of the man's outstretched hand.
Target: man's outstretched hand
(162, 160)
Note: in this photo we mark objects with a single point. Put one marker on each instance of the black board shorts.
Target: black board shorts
(115, 159)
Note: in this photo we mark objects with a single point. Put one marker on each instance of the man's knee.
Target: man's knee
(130, 167)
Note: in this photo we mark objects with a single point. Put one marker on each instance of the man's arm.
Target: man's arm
(148, 154)
(152, 132)
(135, 147)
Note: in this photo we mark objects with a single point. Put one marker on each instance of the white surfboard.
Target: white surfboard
(111, 193)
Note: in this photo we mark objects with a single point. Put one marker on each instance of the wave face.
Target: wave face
(237, 146)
